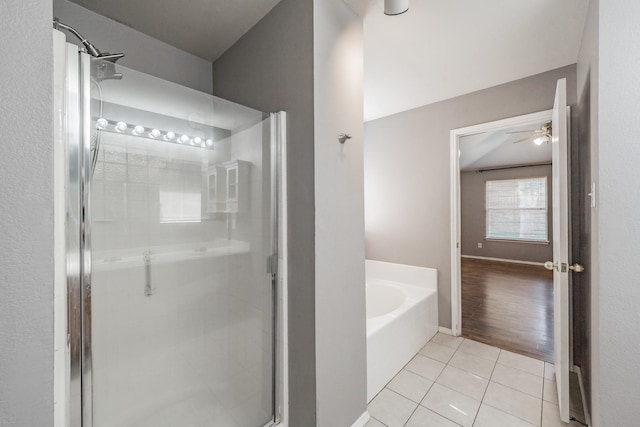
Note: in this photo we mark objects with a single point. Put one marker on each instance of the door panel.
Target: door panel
(560, 196)
(181, 309)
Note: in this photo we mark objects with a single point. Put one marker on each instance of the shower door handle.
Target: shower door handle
(148, 289)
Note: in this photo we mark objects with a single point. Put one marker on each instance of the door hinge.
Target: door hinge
(272, 264)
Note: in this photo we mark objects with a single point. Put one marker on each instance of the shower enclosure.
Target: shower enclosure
(171, 253)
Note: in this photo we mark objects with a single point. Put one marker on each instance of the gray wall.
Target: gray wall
(473, 217)
(26, 214)
(143, 53)
(619, 203)
(407, 213)
(339, 193)
(271, 68)
(584, 242)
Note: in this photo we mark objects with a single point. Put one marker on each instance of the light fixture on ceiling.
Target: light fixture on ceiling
(152, 133)
(395, 7)
(537, 136)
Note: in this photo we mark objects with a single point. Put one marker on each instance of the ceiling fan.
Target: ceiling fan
(539, 136)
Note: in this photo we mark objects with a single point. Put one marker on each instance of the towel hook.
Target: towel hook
(343, 137)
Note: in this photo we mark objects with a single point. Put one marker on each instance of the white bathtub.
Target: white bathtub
(402, 315)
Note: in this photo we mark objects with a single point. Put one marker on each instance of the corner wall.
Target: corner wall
(339, 194)
(26, 214)
(407, 202)
(271, 69)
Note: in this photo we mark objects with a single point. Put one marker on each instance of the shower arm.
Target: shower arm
(91, 49)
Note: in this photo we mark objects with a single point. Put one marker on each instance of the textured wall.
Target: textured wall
(271, 69)
(407, 157)
(473, 217)
(26, 214)
(339, 190)
(619, 204)
(143, 53)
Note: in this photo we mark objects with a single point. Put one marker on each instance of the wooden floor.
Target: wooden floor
(508, 305)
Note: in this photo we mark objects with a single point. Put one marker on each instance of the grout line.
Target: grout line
(485, 390)
(414, 411)
(514, 416)
(378, 421)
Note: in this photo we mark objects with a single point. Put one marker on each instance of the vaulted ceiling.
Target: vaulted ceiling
(503, 148)
(206, 28)
(440, 49)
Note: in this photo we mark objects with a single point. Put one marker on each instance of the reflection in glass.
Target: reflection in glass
(182, 309)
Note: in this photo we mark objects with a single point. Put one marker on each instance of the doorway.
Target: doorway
(503, 229)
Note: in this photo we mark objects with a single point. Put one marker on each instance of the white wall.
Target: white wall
(339, 189)
(142, 52)
(26, 214)
(619, 203)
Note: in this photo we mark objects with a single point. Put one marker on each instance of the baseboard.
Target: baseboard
(514, 261)
(363, 420)
(444, 330)
(585, 408)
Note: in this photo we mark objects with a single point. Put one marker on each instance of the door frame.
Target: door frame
(455, 236)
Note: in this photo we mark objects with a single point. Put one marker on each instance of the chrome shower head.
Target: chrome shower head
(104, 69)
(91, 49)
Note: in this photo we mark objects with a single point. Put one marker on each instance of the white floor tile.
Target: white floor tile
(424, 366)
(517, 379)
(550, 391)
(438, 352)
(391, 409)
(549, 371)
(473, 364)
(513, 402)
(480, 350)
(524, 363)
(551, 416)
(488, 416)
(452, 405)
(464, 382)
(374, 423)
(423, 417)
(410, 385)
(447, 340)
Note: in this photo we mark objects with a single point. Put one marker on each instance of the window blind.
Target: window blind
(517, 209)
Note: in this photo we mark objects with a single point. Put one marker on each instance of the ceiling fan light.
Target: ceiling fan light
(395, 7)
(541, 139)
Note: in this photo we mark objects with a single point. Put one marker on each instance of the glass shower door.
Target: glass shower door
(181, 326)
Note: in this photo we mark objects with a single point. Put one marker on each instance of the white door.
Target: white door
(560, 265)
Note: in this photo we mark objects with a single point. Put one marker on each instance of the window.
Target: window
(517, 209)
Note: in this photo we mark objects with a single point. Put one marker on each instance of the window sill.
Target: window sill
(531, 242)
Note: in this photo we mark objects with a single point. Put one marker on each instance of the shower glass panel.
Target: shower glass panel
(181, 316)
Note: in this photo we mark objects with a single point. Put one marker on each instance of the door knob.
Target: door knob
(576, 268)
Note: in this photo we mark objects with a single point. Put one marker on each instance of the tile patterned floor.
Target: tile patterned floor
(454, 382)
